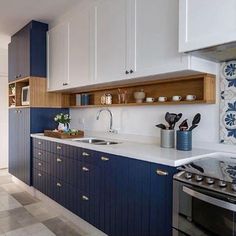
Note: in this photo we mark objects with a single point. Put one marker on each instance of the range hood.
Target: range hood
(218, 53)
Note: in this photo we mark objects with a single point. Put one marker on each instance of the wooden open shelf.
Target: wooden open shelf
(39, 97)
(201, 85)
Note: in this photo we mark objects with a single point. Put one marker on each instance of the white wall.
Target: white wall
(3, 109)
(142, 120)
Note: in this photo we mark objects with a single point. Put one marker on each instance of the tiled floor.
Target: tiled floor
(23, 215)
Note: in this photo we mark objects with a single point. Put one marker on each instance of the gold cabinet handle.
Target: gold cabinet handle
(85, 154)
(104, 158)
(59, 160)
(39, 175)
(39, 153)
(59, 185)
(58, 147)
(39, 143)
(85, 198)
(85, 169)
(161, 172)
(39, 164)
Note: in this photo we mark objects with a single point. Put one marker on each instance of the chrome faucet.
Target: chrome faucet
(111, 130)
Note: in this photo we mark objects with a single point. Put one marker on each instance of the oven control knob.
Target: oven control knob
(233, 187)
(188, 175)
(198, 178)
(210, 180)
(222, 184)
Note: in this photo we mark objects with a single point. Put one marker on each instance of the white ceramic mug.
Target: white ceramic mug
(191, 97)
(162, 99)
(176, 98)
(149, 99)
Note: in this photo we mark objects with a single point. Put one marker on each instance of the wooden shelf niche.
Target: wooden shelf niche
(39, 97)
(201, 85)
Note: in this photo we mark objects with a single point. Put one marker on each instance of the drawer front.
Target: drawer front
(40, 154)
(63, 149)
(40, 181)
(39, 143)
(40, 165)
(89, 177)
(86, 155)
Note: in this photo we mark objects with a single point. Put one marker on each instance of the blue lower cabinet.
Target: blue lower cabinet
(138, 198)
(113, 194)
(161, 186)
(118, 195)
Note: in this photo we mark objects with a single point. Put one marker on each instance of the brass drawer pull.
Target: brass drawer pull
(40, 153)
(39, 164)
(39, 143)
(39, 175)
(161, 172)
(85, 169)
(85, 154)
(85, 198)
(104, 158)
(58, 147)
(59, 185)
(59, 160)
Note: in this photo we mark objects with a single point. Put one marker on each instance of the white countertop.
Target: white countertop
(140, 151)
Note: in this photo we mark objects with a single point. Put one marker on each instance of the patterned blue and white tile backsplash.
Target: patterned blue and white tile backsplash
(228, 103)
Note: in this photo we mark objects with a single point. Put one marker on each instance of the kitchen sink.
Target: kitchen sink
(95, 141)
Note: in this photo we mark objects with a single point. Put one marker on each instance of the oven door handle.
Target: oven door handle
(214, 201)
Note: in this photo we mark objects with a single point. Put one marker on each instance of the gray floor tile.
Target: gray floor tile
(61, 228)
(40, 211)
(24, 198)
(11, 188)
(5, 179)
(9, 223)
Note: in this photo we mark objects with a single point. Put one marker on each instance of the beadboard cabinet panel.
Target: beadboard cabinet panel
(27, 52)
(205, 23)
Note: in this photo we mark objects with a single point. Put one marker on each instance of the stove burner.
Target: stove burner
(210, 180)
(222, 183)
(188, 175)
(198, 178)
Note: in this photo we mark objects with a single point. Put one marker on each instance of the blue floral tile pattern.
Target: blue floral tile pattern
(228, 103)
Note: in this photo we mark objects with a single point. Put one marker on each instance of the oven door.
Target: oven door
(199, 212)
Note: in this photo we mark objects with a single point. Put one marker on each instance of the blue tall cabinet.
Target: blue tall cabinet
(27, 61)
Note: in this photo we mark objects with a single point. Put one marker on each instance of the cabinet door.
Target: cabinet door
(114, 194)
(139, 195)
(58, 57)
(206, 23)
(12, 61)
(19, 149)
(155, 35)
(161, 200)
(13, 141)
(23, 51)
(79, 49)
(110, 40)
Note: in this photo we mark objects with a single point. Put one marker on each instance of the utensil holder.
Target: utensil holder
(167, 138)
(184, 140)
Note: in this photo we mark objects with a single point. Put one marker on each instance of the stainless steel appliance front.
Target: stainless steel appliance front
(199, 211)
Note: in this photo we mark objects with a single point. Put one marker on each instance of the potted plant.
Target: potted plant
(63, 121)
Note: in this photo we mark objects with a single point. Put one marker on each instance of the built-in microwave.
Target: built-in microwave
(25, 96)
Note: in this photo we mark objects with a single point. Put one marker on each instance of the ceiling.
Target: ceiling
(14, 14)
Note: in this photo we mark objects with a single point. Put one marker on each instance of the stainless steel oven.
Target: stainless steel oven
(200, 211)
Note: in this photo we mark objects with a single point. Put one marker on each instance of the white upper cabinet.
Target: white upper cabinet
(154, 45)
(110, 45)
(205, 23)
(58, 57)
(79, 49)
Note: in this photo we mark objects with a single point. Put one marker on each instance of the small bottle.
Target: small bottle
(108, 99)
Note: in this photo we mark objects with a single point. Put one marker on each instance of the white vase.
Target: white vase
(63, 127)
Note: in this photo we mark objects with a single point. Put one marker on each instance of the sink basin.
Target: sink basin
(89, 140)
(106, 143)
(95, 141)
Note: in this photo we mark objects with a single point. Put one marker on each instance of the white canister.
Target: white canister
(108, 99)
